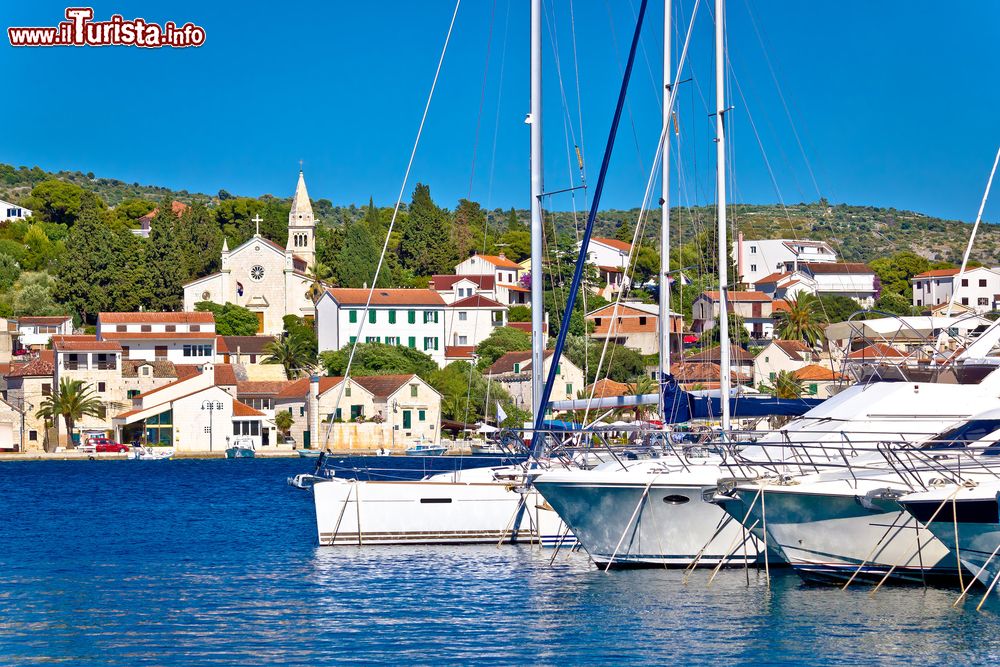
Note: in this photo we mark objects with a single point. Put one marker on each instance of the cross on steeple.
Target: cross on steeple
(257, 220)
(300, 165)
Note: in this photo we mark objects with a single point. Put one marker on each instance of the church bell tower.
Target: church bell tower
(302, 225)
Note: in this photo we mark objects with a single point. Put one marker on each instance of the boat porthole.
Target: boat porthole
(676, 499)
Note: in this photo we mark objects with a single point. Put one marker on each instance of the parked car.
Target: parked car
(103, 445)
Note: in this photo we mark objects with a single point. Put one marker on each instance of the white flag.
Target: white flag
(501, 415)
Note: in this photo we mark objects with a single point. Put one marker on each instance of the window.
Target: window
(813, 389)
(430, 343)
(194, 328)
(463, 340)
(145, 328)
(347, 390)
(569, 389)
(352, 317)
(965, 282)
(517, 367)
(412, 342)
(965, 301)
(132, 393)
(171, 327)
(597, 321)
(982, 282)
(421, 415)
(253, 358)
(246, 427)
(353, 340)
(102, 387)
(357, 411)
(771, 376)
(46, 389)
(392, 317)
(392, 340)
(371, 339)
(32, 435)
(984, 301)
(642, 321)
(124, 351)
(414, 390)
(371, 317)
(197, 350)
(302, 411)
(753, 250)
(463, 316)
(753, 267)
(121, 328)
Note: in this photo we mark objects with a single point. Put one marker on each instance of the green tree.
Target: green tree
(785, 385)
(379, 359)
(738, 334)
(425, 246)
(645, 265)
(320, 276)
(894, 272)
(166, 262)
(290, 353)
(73, 400)
(621, 364)
(517, 244)
(358, 258)
(284, 420)
(465, 390)
(519, 314)
(230, 319)
(126, 278)
(60, 202)
(85, 275)
(199, 239)
(500, 341)
(801, 321)
(304, 333)
(836, 308)
(10, 270)
(898, 304)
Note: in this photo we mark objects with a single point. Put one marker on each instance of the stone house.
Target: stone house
(780, 355)
(28, 384)
(513, 372)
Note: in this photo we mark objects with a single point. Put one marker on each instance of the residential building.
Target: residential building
(978, 288)
(741, 362)
(28, 384)
(35, 333)
(13, 212)
(610, 256)
(850, 279)
(146, 221)
(503, 270)
(414, 318)
(250, 352)
(139, 376)
(635, 325)
(471, 320)
(753, 307)
(756, 259)
(183, 338)
(387, 411)
(513, 371)
(820, 381)
(786, 285)
(453, 288)
(260, 275)
(193, 414)
(781, 355)
(97, 364)
(10, 427)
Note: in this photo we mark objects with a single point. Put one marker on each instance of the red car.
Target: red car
(105, 445)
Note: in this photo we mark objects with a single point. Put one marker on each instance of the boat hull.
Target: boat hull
(432, 512)
(978, 531)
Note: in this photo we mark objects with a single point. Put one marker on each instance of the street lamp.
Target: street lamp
(211, 406)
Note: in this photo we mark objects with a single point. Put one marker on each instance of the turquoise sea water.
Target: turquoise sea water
(215, 563)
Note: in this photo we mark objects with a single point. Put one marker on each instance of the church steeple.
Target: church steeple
(302, 224)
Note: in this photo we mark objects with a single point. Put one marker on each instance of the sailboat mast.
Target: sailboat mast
(665, 322)
(720, 158)
(537, 283)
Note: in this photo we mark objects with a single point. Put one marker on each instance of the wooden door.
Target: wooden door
(260, 322)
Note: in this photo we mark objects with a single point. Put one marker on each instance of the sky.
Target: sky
(871, 103)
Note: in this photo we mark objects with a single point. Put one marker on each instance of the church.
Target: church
(263, 277)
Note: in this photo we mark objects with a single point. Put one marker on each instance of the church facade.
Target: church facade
(263, 277)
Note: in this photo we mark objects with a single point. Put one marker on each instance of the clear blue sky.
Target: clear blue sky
(896, 104)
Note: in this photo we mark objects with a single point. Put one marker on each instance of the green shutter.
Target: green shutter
(569, 389)
(352, 316)
(407, 419)
(411, 317)
(517, 367)
(422, 415)
(813, 389)
(413, 342)
(354, 339)
(392, 317)
(371, 317)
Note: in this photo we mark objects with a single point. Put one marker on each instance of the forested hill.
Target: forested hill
(859, 233)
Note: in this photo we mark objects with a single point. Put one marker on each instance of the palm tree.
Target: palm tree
(785, 385)
(800, 321)
(290, 353)
(641, 386)
(284, 420)
(319, 274)
(73, 400)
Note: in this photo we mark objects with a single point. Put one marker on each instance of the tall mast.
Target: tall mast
(720, 158)
(665, 322)
(537, 305)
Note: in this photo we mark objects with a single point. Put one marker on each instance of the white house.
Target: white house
(780, 355)
(756, 259)
(471, 320)
(513, 371)
(191, 414)
(610, 256)
(503, 270)
(36, 332)
(505, 284)
(9, 211)
(183, 338)
(850, 279)
(754, 307)
(786, 284)
(453, 288)
(978, 289)
(411, 317)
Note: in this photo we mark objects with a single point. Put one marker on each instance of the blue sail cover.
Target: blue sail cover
(681, 406)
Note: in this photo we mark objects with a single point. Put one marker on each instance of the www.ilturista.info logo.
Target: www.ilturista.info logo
(81, 30)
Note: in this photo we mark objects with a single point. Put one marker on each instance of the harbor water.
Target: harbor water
(215, 563)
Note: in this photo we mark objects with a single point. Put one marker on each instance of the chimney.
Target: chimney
(502, 256)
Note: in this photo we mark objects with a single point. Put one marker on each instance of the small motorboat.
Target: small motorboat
(310, 453)
(426, 448)
(241, 449)
(143, 453)
(305, 481)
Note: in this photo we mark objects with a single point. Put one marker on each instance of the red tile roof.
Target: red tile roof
(383, 386)
(613, 243)
(795, 349)
(300, 388)
(261, 387)
(877, 351)
(458, 351)
(734, 296)
(780, 305)
(243, 344)
(477, 301)
(42, 366)
(817, 373)
(611, 269)
(43, 319)
(190, 317)
(241, 409)
(514, 288)
(937, 273)
(499, 261)
(607, 388)
(773, 278)
(505, 364)
(443, 283)
(386, 297)
(176, 206)
(83, 343)
(225, 374)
